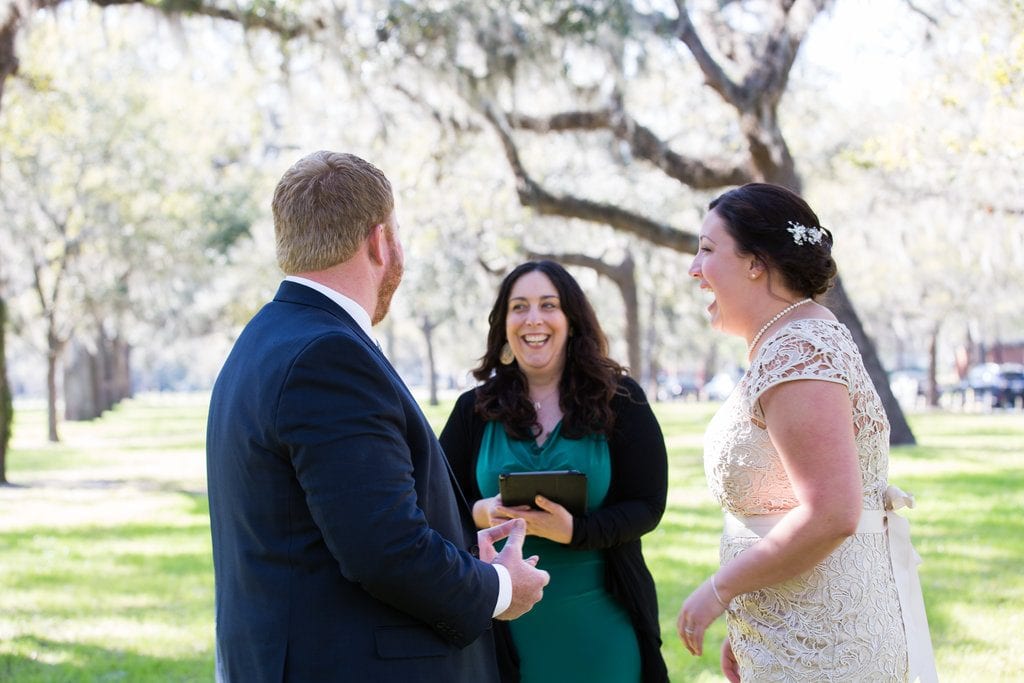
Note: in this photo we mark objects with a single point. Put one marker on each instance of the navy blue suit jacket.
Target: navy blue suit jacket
(339, 537)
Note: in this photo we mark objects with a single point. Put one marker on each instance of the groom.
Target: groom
(339, 538)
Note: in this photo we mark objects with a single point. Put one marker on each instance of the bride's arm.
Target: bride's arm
(810, 423)
(811, 426)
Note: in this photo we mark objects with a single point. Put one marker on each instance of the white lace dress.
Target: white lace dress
(841, 621)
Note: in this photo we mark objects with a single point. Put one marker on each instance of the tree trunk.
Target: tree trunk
(839, 302)
(51, 395)
(105, 399)
(427, 328)
(629, 297)
(933, 365)
(95, 382)
(121, 367)
(651, 369)
(10, 22)
(82, 399)
(6, 400)
(709, 368)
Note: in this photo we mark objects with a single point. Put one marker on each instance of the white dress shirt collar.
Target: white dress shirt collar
(357, 312)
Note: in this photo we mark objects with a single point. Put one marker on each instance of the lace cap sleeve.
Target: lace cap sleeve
(802, 349)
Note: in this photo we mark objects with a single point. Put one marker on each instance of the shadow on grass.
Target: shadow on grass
(132, 561)
(36, 659)
(971, 550)
(987, 449)
(136, 484)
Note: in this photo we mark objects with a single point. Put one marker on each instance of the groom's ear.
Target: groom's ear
(377, 244)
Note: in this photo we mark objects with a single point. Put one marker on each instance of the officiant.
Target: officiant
(550, 398)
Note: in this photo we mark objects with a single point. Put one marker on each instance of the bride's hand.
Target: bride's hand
(697, 613)
(729, 666)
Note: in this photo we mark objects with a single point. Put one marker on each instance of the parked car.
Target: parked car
(681, 386)
(1000, 385)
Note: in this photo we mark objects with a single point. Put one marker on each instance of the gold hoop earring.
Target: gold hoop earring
(506, 356)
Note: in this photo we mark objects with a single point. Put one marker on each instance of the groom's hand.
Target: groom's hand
(527, 581)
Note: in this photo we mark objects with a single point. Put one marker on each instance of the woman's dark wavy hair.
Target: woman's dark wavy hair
(590, 378)
(757, 216)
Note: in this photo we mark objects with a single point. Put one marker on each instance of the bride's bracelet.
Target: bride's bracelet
(714, 589)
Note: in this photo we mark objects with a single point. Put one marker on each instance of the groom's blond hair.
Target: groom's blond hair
(324, 206)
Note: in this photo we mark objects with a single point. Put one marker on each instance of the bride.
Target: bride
(817, 574)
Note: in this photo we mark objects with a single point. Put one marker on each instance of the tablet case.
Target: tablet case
(568, 488)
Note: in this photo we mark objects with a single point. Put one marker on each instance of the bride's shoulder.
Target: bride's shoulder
(803, 341)
(817, 327)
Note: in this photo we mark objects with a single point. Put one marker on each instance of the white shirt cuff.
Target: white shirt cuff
(504, 589)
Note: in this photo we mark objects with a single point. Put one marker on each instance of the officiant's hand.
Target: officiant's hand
(527, 581)
(552, 521)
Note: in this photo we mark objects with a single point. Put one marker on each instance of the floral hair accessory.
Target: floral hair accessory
(801, 233)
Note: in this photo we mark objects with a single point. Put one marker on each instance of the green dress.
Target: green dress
(577, 632)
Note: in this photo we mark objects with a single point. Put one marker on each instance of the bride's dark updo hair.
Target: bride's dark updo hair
(760, 217)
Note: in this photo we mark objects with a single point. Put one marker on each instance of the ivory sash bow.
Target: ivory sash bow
(904, 568)
(908, 587)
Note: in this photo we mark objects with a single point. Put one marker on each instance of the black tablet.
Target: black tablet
(568, 488)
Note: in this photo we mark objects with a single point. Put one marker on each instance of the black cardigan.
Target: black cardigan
(633, 506)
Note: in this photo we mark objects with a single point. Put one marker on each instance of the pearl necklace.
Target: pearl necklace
(775, 319)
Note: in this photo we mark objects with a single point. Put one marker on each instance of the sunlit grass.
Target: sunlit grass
(106, 572)
(105, 569)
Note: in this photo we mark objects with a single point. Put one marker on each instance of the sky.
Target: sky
(869, 45)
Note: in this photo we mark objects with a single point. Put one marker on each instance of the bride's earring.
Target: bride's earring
(506, 356)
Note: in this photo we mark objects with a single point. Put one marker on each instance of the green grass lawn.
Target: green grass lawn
(106, 575)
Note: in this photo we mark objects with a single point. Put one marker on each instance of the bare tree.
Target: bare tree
(48, 278)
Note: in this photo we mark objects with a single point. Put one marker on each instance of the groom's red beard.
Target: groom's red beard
(392, 278)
